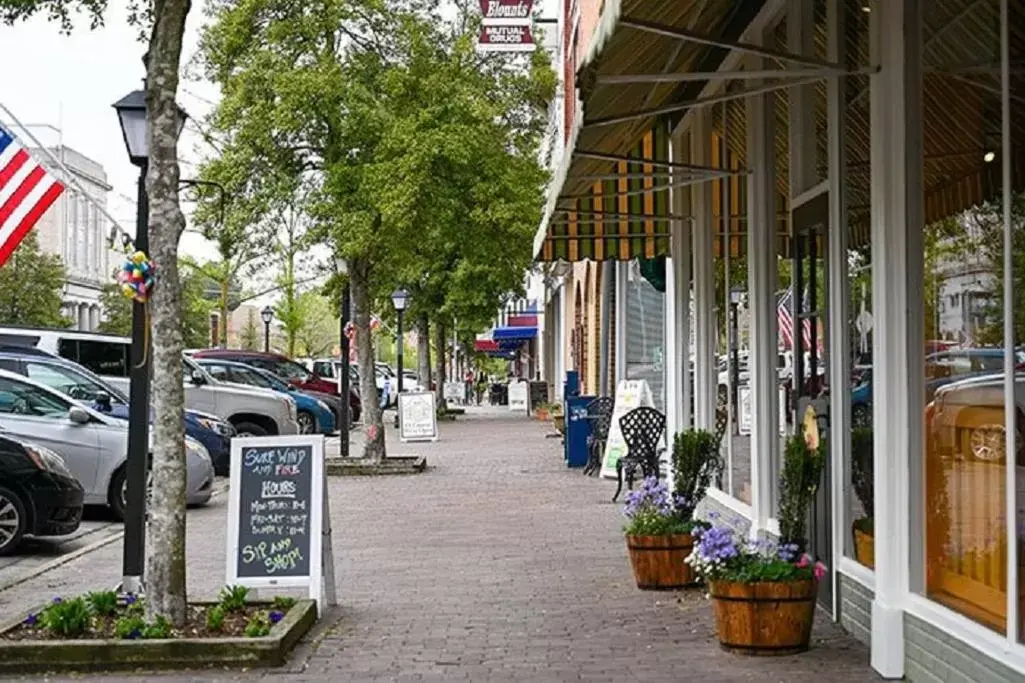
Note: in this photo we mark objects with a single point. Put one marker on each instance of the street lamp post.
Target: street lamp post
(267, 314)
(736, 294)
(131, 112)
(343, 368)
(400, 298)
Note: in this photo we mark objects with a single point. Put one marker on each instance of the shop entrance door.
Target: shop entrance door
(810, 222)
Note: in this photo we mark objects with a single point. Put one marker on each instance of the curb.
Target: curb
(84, 550)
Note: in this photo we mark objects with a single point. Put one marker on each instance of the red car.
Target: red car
(287, 369)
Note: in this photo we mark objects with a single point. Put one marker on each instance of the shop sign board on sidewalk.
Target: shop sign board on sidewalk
(279, 522)
(418, 416)
(455, 391)
(518, 393)
(630, 394)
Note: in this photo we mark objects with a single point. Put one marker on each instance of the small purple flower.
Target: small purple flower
(32, 619)
(130, 599)
(58, 600)
(276, 616)
(135, 634)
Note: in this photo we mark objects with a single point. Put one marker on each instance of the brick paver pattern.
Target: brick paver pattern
(498, 564)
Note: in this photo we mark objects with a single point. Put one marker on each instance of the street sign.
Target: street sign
(518, 396)
(418, 418)
(630, 394)
(506, 38)
(279, 522)
(514, 11)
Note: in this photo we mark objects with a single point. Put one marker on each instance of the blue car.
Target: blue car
(313, 415)
(82, 385)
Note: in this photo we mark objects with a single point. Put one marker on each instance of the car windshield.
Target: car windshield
(77, 385)
(266, 379)
(286, 369)
(190, 368)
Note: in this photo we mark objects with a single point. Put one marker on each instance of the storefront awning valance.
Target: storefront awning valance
(507, 334)
(609, 198)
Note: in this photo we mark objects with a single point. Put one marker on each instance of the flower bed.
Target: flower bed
(102, 630)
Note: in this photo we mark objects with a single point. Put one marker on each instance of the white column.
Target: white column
(761, 283)
(677, 308)
(620, 331)
(801, 110)
(839, 296)
(896, 196)
(704, 277)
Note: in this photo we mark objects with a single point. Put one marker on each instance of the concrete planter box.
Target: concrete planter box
(35, 656)
(358, 467)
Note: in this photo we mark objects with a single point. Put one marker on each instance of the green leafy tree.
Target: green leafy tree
(31, 285)
(318, 332)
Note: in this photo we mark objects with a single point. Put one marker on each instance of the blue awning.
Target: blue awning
(514, 333)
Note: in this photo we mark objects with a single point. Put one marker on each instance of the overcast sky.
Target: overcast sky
(69, 82)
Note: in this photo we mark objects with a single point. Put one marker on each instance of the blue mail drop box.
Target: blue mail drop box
(578, 428)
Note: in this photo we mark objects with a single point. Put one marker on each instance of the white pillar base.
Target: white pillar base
(887, 640)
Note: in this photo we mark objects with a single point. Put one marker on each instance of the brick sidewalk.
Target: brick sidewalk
(496, 565)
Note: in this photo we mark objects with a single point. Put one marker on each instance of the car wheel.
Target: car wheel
(117, 497)
(12, 521)
(307, 423)
(249, 429)
(985, 443)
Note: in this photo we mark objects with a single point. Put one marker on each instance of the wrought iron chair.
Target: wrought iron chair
(599, 411)
(642, 430)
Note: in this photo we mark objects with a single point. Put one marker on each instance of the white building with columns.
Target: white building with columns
(77, 231)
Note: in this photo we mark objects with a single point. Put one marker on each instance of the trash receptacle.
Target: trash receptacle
(578, 428)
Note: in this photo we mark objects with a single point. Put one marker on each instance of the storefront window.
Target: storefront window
(965, 455)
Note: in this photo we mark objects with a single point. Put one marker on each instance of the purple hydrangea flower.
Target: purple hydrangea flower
(276, 616)
(58, 600)
(32, 619)
(130, 599)
(135, 635)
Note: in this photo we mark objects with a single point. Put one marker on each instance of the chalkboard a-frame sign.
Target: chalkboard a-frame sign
(279, 522)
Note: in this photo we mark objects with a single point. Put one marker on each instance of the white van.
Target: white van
(253, 412)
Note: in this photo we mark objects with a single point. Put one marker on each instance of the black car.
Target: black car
(38, 494)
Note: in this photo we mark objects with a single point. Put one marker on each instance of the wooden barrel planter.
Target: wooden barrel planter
(659, 562)
(767, 618)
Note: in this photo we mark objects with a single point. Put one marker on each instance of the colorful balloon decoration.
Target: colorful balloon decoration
(137, 277)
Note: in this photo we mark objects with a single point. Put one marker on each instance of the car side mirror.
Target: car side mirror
(102, 399)
(79, 415)
(198, 378)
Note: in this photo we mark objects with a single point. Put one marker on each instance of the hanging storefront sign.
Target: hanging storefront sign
(517, 11)
(504, 38)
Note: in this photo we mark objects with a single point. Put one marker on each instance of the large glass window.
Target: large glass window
(966, 459)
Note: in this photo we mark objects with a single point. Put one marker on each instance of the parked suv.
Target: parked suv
(292, 372)
(252, 412)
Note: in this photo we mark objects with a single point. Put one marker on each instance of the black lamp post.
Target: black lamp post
(400, 299)
(736, 294)
(131, 113)
(343, 367)
(267, 314)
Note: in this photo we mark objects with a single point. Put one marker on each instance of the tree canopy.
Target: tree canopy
(32, 287)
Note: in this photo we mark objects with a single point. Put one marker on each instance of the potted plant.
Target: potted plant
(763, 592)
(657, 537)
(542, 411)
(863, 482)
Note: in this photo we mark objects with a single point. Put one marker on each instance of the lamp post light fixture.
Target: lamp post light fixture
(345, 423)
(267, 315)
(131, 114)
(400, 299)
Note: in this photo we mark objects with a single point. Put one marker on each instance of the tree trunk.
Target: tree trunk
(423, 350)
(164, 579)
(290, 297)
(439, 345)
(373, 423)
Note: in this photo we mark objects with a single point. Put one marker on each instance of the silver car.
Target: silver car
(94, 445)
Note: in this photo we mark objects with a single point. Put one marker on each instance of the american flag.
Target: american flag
(27, 190)
(785, 318)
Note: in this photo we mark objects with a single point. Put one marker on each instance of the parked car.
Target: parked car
(252, 412)
(313, 415)
(82, 385)
(39, 496)
(94, 446)
(288, 370)
(966, 418)
(384, 380)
